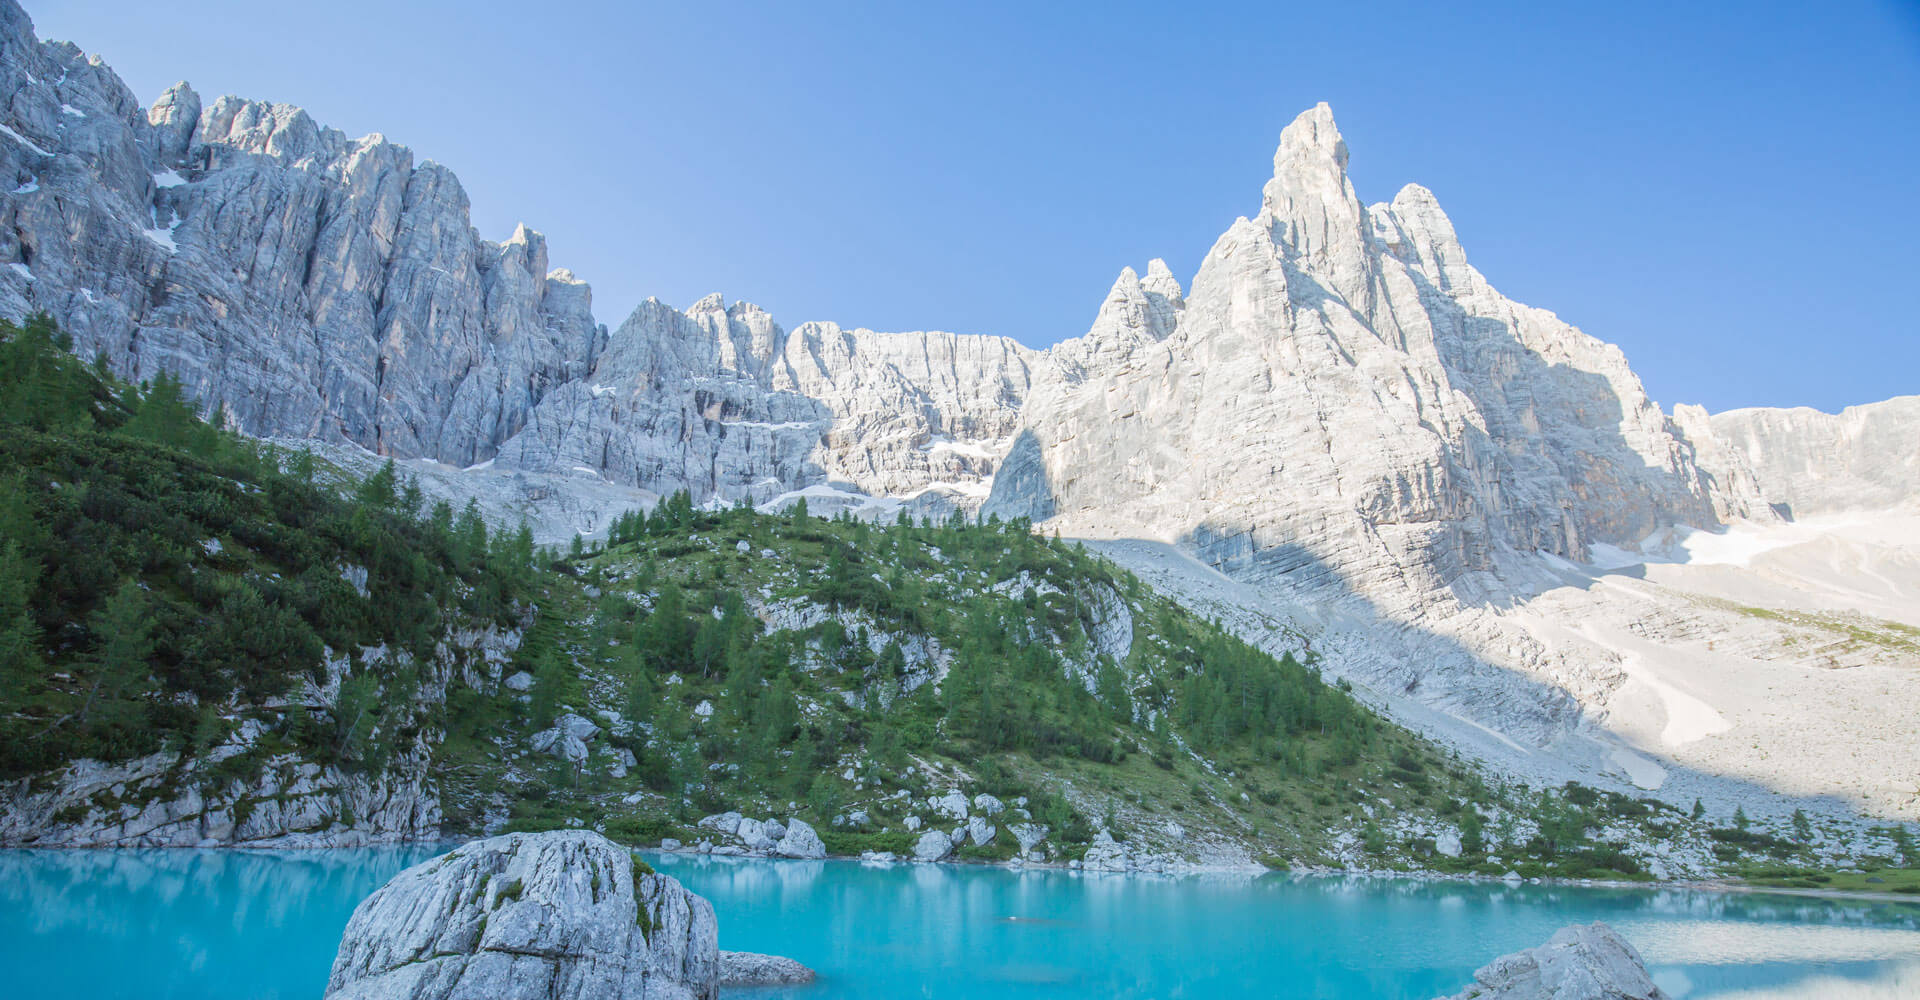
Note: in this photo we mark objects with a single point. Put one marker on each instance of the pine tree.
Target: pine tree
(20, 658)
(549, 687)
(377, 491)
(123, 642)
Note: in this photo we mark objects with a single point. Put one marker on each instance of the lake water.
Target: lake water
(225, 925)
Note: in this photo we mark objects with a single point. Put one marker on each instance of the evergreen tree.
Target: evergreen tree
(20, 657)
(377, 491)
(549, 687)
(123, 641)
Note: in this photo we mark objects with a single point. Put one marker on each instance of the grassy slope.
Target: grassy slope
(1144, 763)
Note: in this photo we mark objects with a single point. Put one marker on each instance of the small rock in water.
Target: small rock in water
(744, 968)
(1577, 963)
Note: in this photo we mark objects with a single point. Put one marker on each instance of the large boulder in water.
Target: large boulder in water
(568, 915)
(1577, 963)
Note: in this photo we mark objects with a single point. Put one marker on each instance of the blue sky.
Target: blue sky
(1726, 191)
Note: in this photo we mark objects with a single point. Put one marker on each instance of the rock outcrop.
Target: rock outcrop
(552, 916)
(170, 799)
(1577, 963)
(744, 968)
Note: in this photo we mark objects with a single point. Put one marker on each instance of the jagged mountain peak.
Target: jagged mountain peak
(1160, 281)
(1309, 207)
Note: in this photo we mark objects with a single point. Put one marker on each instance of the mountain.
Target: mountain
(204, 641)
(1340, 434)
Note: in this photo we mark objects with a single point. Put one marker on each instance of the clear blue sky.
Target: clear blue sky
(1729, 194)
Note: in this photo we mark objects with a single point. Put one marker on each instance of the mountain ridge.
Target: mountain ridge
(1338, 411)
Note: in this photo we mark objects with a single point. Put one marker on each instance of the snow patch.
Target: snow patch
(29, 187)
(968, 449)
(1641, 771)
(23, 140)
(71, 111)
(790, 425)
(168, 179)
(23, 270)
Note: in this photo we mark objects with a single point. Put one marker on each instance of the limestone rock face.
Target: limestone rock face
(313, 285)
(1801, 461)
(549, 916)
(1577, 963)
(322, 287)
(167, 799)
(721, 401)
(1380, 451)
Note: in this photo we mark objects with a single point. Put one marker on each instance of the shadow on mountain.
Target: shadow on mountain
(1434, 683)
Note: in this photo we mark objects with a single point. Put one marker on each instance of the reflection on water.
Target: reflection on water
(92, 925)
(263, 924)
(881, 931)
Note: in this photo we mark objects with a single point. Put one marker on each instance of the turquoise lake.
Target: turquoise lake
(225, 925)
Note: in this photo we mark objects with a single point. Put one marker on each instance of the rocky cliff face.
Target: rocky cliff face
(720, 400)
(312, 284)
(1386, 414)
(1801, 461)
(317, 286)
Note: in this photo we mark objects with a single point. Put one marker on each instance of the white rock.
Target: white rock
(551, 915)
(1577, 963)
(987, 805)
(1028, 835)
(932, 846)
(801, 841)
(952, 805)
(980, 831)
(754, 836)
(739, 968)
(726, 822)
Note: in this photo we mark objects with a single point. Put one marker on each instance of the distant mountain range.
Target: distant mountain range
(1339, 433)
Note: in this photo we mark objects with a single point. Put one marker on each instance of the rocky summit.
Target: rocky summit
(1338, 434)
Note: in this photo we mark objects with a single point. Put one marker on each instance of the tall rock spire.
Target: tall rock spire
(1309, 203)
